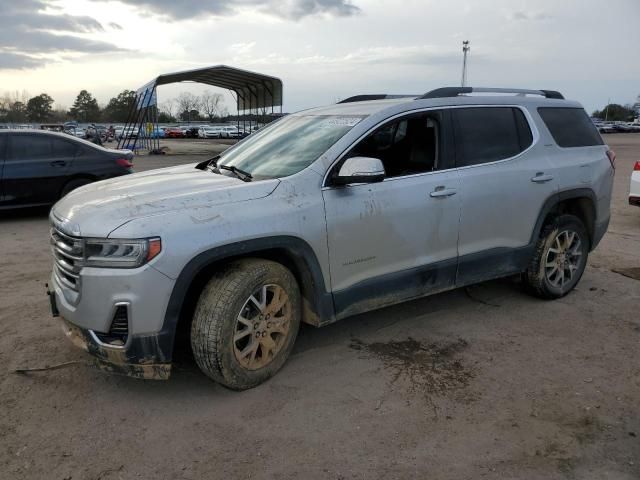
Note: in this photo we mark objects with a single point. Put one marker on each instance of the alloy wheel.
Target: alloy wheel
(563, 258)
(262, 327)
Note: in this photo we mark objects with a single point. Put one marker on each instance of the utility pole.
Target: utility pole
(465, 50)
(606, 110)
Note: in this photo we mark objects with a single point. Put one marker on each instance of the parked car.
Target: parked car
(325, 214)
(173, 132)
(156, 132)
(128, 132)
(634, 189)
(40, 167)
(191, 132)
(209, 132)
(231, 132)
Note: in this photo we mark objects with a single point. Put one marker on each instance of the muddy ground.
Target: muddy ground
(479, 383)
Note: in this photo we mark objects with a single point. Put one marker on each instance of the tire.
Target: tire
(237, 291)
(546, 276)
(73, 184)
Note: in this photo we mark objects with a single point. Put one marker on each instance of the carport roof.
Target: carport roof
(254, 90)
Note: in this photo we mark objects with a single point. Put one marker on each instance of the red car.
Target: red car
(173, 132)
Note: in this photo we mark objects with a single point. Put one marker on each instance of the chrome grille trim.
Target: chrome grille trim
(68, 253)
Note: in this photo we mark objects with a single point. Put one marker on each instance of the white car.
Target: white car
(209, 132)
(634, 189)
(230, 132)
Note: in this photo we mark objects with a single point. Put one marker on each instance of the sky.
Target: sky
(323, 50)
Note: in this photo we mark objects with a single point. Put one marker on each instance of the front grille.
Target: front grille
(68, 253)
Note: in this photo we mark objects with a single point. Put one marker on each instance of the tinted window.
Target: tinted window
(30, 147)
(489, 134)
(62, 148)
(405, 146)
(570, 127)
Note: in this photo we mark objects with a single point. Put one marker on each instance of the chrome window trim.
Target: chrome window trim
(532, 126)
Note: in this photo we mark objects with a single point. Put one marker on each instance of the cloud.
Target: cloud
(285, 9)
(525, 16)
(26, 28)
(17, 61)
(401, 55)
(115, 26)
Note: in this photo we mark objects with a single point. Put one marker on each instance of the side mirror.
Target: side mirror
(360, 170)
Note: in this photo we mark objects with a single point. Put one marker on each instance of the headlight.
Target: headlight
(120, 253)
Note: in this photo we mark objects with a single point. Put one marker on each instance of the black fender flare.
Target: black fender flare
(556, 198)
(318, 303)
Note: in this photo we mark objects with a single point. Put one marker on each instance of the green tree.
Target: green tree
(17, 112)
(85, 108)
(39, 108)
(164, 117)
(118, 108)
(614, 112)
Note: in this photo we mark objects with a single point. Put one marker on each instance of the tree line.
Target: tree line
(19, 107)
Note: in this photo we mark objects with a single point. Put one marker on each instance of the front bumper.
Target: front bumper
(139, 359)
(144, 355)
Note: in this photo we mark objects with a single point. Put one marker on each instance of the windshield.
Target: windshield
(289, 145)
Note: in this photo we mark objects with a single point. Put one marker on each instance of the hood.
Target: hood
(97, 209)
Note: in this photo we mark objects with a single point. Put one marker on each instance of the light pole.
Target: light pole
(465, 50)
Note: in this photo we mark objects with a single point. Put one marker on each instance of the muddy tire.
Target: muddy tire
(73, 184)
(246, 322)
(560, 258)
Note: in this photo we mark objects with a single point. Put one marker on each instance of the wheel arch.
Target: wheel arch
(580, 202)
(292, 252)
(76, 176)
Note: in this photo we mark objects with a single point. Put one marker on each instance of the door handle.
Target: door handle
(58, 163)
(441, 191)
(541, 177)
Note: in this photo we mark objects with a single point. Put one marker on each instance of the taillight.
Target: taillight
(612, 158)
(636, 167)
(123, 162)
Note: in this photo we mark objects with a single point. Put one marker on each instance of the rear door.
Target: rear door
(505, 178)
(35, 169)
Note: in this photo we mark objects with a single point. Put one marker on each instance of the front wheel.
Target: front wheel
(246, 321)
(560, 258)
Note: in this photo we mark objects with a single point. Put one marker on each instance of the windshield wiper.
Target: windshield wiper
(241, 174)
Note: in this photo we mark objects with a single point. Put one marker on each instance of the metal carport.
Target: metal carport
(255, 94)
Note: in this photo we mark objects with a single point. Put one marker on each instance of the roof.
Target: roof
(444, 97)
(254, 90)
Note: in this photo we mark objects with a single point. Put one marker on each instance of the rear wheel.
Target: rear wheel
(73, 184)
(560, 258)
(246, 321)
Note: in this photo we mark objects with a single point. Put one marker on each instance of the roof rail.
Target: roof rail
(455, 91)
(380, 96)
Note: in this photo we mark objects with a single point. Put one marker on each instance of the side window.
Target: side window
(489, 134)
(570, 127)
(406, 146)
(62, 148)
(29, 147)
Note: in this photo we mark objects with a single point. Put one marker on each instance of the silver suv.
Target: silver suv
(324, 214)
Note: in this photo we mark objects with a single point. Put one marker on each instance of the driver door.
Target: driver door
(397, 239)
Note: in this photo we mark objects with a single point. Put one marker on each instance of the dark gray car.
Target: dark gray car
(38, 167)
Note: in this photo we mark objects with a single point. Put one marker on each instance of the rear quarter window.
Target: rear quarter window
(570, 127)
(63, 148)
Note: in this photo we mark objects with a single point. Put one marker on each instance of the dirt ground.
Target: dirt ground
(480, 383)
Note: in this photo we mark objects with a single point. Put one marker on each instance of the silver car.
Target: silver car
(324, 214)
